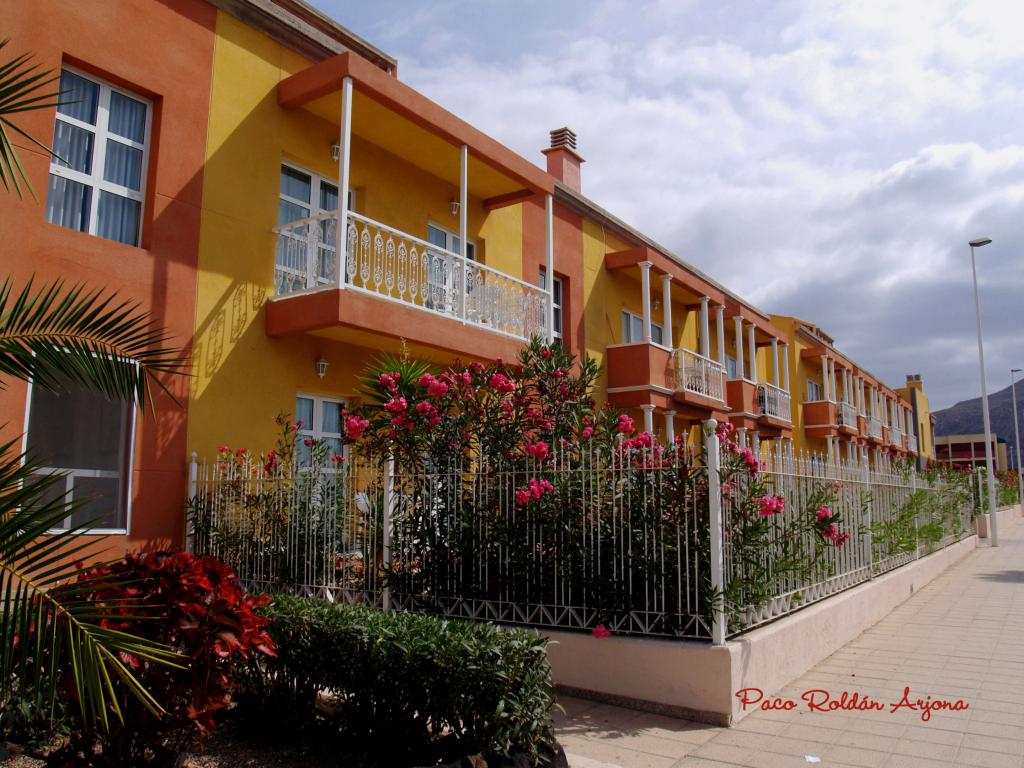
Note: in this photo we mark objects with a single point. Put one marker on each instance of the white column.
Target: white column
(344, 167)
(741, 437)
(824, 377)
(549, 263)
(648, 418)
(755, 440)
(645, 289)
(670, 427)
(785, 367)
(705, 331)
(463, 228)
(666, 311)
(832, 383)
(740, 372)
(752, 351)
(775, 361)
(720, 328)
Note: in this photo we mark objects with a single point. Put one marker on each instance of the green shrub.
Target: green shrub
(401, 685)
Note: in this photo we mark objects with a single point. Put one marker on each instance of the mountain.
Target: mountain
(964, 418)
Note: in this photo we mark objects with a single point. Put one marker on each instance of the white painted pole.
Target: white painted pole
(389, 500)
(645, 298)
(989, 469)
(718, 626)
(648, 410)
(670, 427)
(775, 361)
(705, 329)
(752, 343)
(666, 311)
(344, 168)
(785, 367)
(741, 371)
(463, 225)
(1016, 432)
(549, 264)
(720, 329)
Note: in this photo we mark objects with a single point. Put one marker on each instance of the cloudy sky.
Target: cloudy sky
(824, 159)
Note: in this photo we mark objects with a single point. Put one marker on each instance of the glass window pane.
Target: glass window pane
(57, 491)
(127, 117)
(288, 212)
(331, 417)
(102, 502)
(558, 319)
(333, 446)
(556, 289)
(626, 329)
(118, 218)
(295, 184)
(73, 146)
(304, 412)
(328, 197)
(79, 97)
(656, 334)
(436, 236)
(76, 428)
(123, 165)
(303, 452)
(637, 329)
(67, 203)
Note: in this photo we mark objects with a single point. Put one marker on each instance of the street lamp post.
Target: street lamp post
(1016, 434)
(990, 470)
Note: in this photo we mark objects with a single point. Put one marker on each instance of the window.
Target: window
(86, 436)
(321, 420)
(448, 240)
(732, 367)
(633, 329)
(814, 391)
(101, 138)
(557, 301)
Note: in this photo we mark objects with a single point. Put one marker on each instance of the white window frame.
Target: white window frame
(556, 331)
(100, 134)
(317, 432)
(69, 479)
(732, 367)
(450, 237)
(627, 319)
(812, 385)
(315, 180)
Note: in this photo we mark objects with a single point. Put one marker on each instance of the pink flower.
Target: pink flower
(770, 505)
(424, 407)
(396, 405)
(242, 452)
(587, 432)
(355, 427)
(601, 632)
(437, 389)
(297, 425)
(337, 458)
(726, 488)
(625, 424)
(824, 513)
(538, 450)
(501, 383)
(522, 497)
(545, 353)
(224, 449)
(308, 441)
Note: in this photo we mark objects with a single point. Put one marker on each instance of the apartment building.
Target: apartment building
(923, 420)
(120, 210)
(267, 134)
(969, 451)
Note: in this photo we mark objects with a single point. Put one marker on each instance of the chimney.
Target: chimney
(563, 160)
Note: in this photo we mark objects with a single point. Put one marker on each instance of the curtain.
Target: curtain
(118, 218)
(79, 97)
(123, 165)
(127, 117)
(68, 203)
(73, 145)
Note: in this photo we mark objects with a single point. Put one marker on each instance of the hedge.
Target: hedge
(402, 684)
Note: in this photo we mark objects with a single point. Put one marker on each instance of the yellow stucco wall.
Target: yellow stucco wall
(242, 377)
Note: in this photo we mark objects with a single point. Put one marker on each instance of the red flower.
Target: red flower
(625, 424)
(601, 632)
(538, 450)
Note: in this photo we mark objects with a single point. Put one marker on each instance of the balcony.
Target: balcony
(912, 443)
(398, 270)
(875, 428)
(774, 402)
(699, 375)
(895, 437)
(846, 417)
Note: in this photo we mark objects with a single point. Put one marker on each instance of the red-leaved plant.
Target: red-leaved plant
(198, 608)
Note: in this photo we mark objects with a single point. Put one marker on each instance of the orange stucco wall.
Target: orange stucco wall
(162, 51)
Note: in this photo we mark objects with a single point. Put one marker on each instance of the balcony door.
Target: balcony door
(441, 268)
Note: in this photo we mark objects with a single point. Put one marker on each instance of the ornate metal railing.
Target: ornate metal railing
(895, 437)
(396, 266)
(846, 415)
(875, 427)
(699, 375)
(774, 401)
(912, 443)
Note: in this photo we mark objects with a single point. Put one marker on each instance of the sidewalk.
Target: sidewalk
(961, 637)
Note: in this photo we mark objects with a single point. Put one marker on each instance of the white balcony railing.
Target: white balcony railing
(895, 437)
(398, 267)
(912, 443)
(774, 401)
(699, 375)
(846, 415)
(875, 427)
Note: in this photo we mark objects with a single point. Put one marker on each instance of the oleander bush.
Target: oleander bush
(400, 686)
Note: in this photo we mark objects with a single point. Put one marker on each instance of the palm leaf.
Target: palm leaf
(88, 337)
(23, 88)
(51, 633)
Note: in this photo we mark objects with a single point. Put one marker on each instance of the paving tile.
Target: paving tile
(992, 744)
(929, 749)
(868, 758)
(979, 757)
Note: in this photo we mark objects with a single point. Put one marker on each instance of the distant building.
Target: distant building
(924, 423)
(969, 450)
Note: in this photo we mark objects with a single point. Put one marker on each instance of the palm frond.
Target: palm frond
(88, 337)
(23, 87)
(50, 633)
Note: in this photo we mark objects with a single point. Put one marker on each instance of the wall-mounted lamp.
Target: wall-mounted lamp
(321, 367)
(453, 206)
(335, 152)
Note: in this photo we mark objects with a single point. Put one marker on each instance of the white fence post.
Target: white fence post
(389, 499)
(866, 472)
(913, 491)
(193, 482)
(718, 627)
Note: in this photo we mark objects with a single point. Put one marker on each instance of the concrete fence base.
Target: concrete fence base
(699, 681)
